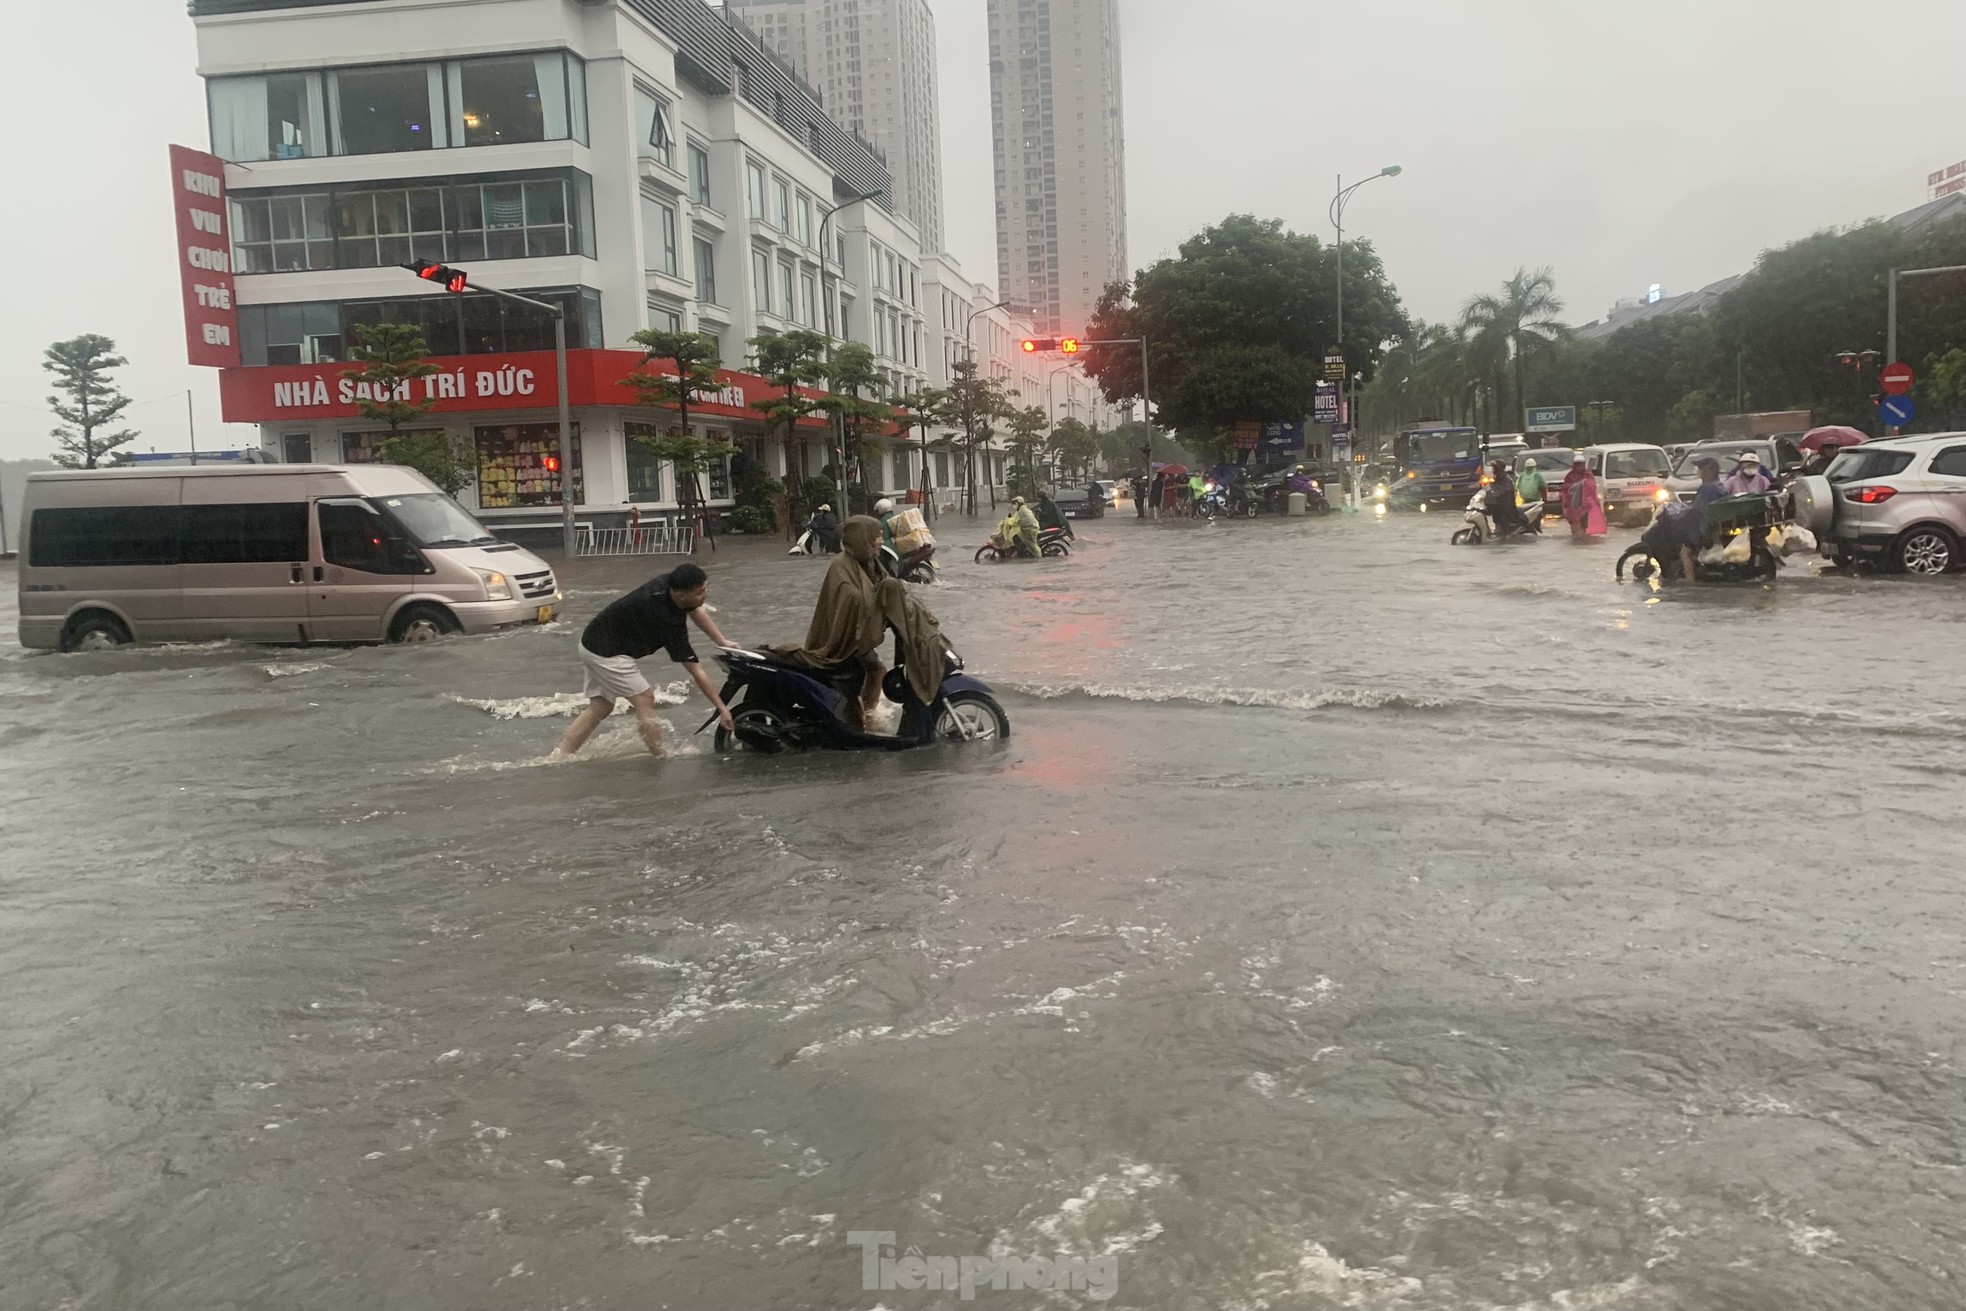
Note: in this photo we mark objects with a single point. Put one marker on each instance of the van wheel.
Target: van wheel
(422, 623)
(1926, 551)
(94, 632)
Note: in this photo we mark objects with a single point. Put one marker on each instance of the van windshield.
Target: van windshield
(433, 520)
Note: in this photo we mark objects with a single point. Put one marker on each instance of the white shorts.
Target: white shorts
(619, 678)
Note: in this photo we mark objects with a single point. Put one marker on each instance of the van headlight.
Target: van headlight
(496, 586)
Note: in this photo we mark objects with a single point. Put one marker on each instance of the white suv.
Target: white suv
(1900, 502)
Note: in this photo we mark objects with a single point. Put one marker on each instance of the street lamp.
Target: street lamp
(969, 404)
(1051, 392)
(826, 323)
(1337, 212)
(1597, 409)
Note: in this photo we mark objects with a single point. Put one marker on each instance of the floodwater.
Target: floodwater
(1351, 921)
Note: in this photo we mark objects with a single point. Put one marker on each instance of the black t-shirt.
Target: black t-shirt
(640, 624)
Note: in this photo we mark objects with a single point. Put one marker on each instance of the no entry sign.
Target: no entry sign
(1896, 379)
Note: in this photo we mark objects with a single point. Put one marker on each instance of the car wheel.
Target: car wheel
(1926, 552)
(422, 623)
(94, 632)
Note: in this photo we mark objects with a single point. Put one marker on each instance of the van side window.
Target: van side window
(103, 535)
(253, 532)
(352, 536)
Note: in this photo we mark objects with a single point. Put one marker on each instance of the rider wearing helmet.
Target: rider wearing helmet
(884, 511)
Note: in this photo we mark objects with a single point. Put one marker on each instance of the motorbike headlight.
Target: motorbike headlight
(496, 586)
(1662, 495)
(1379, 492)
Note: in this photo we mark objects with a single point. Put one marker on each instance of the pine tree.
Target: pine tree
(81, 367)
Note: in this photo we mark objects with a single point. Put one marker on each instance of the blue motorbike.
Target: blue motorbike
(778, 706)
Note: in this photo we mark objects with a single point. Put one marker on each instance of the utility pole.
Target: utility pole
(191, 425)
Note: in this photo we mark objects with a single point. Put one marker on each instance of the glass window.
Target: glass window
(699, 174)
(782, 207)
(808, 300)
(754, 177)
(509, 99)
(519, 465)
(577, 98)
(353, 536)
(644, 469)
(761, 280)
(655, 129)
(299, 333)
(805, 220)
(244, 533)
(278, 116)
(1860, 464)
(104, 535)
(392, 108)
(706, 272)
(1950, 463)
(788, 303)
(659, 235)
(1637, 464)
(664, 319)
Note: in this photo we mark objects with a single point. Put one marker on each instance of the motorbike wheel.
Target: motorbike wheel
(756, 715)
(1250, 511)
(986, 552)
(1471, 535)
(972, 717)
(919, 573)
(1055, 549)
(1460, 537)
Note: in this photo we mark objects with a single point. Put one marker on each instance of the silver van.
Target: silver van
(263, 553)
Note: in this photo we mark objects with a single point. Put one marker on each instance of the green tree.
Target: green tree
(1944, 386)
(975, 402)
(1507, 329)
(1028, 427)
(1238, 325)
(89, 402)
(1075, 445)
(695, 358)
(920, 411)
(390, 359)
(794, 363)
(854, 403)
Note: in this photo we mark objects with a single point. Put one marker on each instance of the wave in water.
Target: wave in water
(1355, 698)
(559, 705)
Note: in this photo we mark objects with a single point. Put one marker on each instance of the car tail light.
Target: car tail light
(1873, 495)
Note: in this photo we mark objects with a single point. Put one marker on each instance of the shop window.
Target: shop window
(644, 468)
(518, 465)
(366, 447)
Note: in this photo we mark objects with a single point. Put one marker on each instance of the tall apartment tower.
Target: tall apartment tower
(1056, 109)
(873, 64)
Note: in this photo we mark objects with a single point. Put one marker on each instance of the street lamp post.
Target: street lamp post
(826, 324)
(1337, 211)
(969, 403)
(1597, 409)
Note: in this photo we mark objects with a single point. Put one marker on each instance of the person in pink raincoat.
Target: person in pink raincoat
(1582, 505)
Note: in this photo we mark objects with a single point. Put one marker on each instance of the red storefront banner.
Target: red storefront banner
(475, 384)
(204, 256)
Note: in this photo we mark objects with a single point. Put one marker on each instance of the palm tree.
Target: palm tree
(1506, 329)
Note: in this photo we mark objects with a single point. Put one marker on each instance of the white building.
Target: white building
(873, 64)
(644, 163)
(1060, 146)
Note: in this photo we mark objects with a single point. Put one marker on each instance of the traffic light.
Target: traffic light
(1068, 345)
(453, 280)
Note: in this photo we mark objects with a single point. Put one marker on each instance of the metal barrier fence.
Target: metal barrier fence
(647, 539)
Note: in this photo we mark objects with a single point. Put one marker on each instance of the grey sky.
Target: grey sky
(1623, 144)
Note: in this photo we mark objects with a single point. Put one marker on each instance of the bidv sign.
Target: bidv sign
(1550, 418)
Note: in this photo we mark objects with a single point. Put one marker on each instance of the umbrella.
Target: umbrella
(1836, 435)
(1175, 470)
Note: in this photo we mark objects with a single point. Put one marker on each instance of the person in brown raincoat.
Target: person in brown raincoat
(858, 602)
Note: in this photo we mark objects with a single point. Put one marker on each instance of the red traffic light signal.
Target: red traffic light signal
(1032, 345)
(453, 280)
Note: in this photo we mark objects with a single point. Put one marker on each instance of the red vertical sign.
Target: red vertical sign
(204, 250)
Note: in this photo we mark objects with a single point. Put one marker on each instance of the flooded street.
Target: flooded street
(1350, 921)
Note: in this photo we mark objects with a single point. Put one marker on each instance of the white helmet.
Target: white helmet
(884, 506)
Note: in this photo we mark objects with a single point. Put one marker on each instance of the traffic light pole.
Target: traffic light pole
(458, 284)
(569, 539)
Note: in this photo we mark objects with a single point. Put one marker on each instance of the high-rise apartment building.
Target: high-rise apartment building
(873, 64)
(1056, 110)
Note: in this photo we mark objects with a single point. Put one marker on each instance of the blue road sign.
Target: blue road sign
(1896, 411)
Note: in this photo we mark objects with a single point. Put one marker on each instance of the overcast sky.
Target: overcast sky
(1623, 144)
